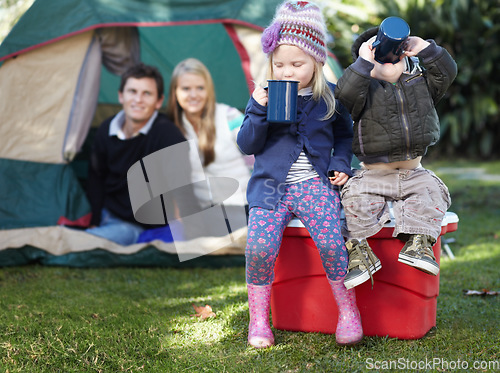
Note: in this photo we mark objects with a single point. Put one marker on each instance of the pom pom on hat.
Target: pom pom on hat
(298, 23)
(270, 37)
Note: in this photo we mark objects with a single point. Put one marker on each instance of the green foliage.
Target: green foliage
(10, 12)
(345, 20)
(470, 31)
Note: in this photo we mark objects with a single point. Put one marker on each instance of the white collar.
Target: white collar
(307, 91)
(115, 127)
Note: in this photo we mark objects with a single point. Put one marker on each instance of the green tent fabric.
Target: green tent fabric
(59, 76)
(166, 34)
(49, 20)
(166, 46)
(53, 183)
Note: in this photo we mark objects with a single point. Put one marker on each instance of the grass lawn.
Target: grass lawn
(56, 319)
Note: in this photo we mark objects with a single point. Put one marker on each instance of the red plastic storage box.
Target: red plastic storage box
(402, 303)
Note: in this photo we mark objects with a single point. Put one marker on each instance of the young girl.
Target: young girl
(298, 169)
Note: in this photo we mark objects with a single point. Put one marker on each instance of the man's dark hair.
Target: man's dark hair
(143, 71)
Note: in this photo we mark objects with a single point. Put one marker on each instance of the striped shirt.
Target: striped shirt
(301, 170)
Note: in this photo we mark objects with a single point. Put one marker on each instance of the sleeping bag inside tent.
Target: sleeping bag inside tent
(59, 76)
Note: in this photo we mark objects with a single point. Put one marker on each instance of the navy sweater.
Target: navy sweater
(327, 145)
(111, 158)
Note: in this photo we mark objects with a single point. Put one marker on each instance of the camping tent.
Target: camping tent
(59, 75)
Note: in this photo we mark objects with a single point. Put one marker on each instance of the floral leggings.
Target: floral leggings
(317, 207)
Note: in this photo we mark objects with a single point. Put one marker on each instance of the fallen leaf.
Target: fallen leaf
(483, 292)
(203, 312)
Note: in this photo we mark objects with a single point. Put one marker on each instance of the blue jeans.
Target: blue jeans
(116, 230)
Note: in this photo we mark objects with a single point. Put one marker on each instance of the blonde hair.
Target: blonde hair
(319, 86)
(206, 130)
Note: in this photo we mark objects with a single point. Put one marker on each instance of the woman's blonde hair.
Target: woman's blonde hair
(319, 86)
(206, 130)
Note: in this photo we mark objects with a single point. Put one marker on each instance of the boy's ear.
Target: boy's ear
(365, 36)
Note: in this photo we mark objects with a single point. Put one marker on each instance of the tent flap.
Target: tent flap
(120, 48)
(37, 90)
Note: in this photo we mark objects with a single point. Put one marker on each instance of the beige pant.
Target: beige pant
(419, 200)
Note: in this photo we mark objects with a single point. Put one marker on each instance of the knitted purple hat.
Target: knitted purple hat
(298, 23)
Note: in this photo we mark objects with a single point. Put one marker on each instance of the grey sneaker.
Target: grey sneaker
(362, 263)
(417, 252)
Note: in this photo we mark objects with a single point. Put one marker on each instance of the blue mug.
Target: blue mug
(282, 101)
(391, 40)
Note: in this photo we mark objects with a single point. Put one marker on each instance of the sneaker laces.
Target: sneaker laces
(358, 253)
(422, 246)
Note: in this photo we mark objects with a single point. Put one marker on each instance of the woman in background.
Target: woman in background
(212, 127)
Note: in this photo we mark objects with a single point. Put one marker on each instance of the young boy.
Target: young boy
(395, 121)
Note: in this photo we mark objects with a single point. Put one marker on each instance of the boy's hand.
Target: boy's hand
(339, 178)
(414, 45)
(366, 50)
(260, 95)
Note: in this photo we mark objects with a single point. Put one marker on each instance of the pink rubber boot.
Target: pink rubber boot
(259, 330)
(349, 329)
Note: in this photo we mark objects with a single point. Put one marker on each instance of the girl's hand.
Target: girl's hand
(414, 45)
(339, 178)
(260, 95)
